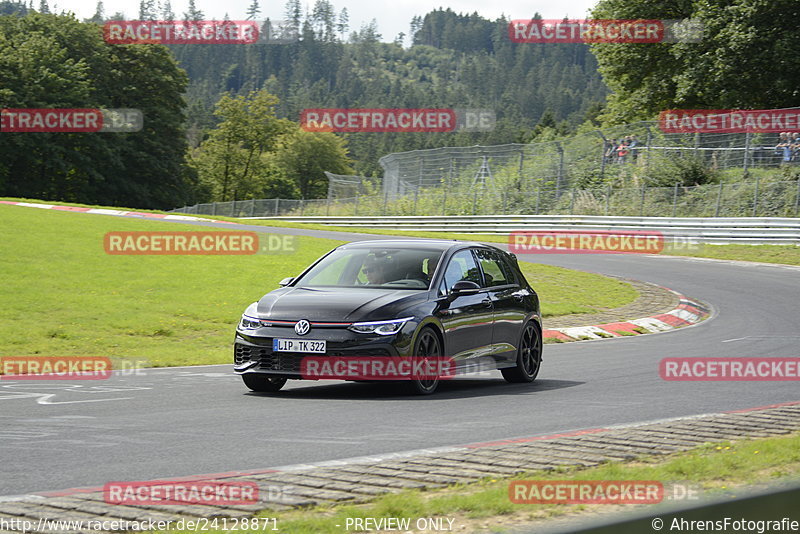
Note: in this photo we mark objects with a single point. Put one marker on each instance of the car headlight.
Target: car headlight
(249, 317)
(249, 322)
(382, 328)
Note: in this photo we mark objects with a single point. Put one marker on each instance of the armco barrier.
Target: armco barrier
(709, 230)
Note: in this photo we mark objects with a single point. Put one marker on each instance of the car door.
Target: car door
(466, 318)
(508, 308)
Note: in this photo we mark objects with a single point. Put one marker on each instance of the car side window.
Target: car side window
(511, 276)
(462, 266)
(495, 273)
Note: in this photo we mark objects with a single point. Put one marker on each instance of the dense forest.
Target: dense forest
(456, 61)
(221, 121)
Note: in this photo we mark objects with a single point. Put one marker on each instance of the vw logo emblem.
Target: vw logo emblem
(302, 327)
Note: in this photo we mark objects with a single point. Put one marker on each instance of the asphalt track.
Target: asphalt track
(185, 421)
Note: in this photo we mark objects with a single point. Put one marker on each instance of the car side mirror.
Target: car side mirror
(464, 287)
(286, 281)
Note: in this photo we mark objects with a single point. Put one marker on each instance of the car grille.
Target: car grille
(289, 362)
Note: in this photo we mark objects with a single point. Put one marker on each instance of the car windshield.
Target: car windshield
(379, 267)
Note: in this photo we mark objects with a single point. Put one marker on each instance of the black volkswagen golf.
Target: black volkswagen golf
(392, 299)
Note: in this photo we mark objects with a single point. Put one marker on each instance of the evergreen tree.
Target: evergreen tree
(253, 10)
(166, 11)
(294, 14)
(343, 25)
(99, 13)
(147, 10)
(193, 13)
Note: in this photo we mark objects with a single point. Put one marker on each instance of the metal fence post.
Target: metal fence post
(213, 208)
(302, 206)
(503, 195)
(419, 184)
(444, 203)
(675, 200)
(538, 198)
(719, 200)
(745, 163)
(641, 204)
(572, 202)
(608, 198)
(253, 208)
(755, 196)
(328, 207)
(560, 169)
(355, 208)
(275, 213)
(797, 199)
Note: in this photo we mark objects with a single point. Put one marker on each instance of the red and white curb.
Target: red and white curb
(687, 313)
(119, 213)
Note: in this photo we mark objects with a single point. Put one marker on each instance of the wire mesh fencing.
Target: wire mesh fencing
(635, 169)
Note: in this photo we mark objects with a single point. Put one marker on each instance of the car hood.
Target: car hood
(344, 304)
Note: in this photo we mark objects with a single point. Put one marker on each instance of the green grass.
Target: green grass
(64, 296)
(712, 468)
(784, 254)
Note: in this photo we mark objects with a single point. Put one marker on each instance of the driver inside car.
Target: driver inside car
(375, 270)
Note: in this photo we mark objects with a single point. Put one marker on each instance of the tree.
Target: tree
(229, 161)
(305, 156)
(416, 25)
(10, 7)
(253, 10)
(193, 13)
(143, 169)
(323, 18)
(294, 14)
(166, 11)
(147, 10)
(99, 14)
(344, 23)
(744, 60)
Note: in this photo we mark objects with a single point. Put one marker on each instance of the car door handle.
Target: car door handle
(487, 303)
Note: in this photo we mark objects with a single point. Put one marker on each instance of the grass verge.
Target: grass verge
(64, 296)
(709, 469)
(783, 254)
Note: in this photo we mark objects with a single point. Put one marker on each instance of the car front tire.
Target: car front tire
(427, 345)
(262, 383)
(529, 357)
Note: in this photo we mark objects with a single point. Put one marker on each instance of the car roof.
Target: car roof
(430, 244)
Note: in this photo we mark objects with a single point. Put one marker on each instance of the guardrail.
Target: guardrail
(709, 230)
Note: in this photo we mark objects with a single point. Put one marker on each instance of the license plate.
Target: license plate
(299, 345)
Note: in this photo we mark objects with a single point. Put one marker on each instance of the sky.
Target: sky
(392, 17)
